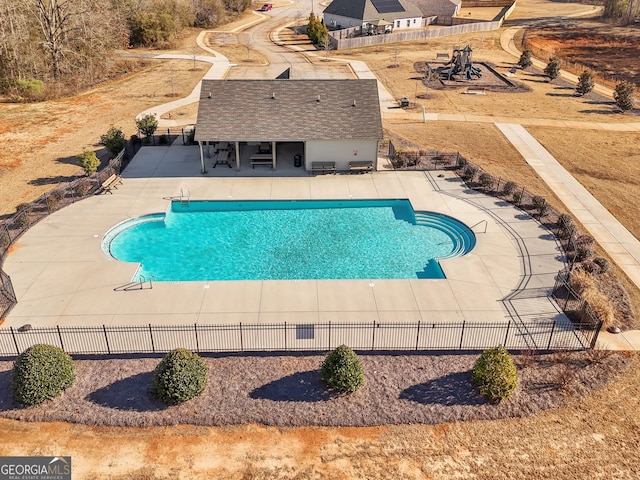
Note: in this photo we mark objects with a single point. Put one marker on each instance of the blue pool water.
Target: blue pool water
(279, 240)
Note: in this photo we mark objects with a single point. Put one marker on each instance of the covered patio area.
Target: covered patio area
(262, 124)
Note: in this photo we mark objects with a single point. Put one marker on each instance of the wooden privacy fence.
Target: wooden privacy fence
(347, 38)
(287, 337)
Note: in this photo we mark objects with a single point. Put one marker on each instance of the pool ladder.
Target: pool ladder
(477, 224)
(185, 199)
(139, 285)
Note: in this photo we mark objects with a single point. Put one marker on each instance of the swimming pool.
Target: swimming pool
(289, 240)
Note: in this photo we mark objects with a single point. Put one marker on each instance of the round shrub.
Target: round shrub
(486, 180)
(342, 370)
(495, 375)
(41, 373)
(508, 188)
(469, 173)
(565, 225)
(603, 264)
(180, 376)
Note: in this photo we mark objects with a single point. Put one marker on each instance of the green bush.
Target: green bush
(151, 28)
(495, 374)
(31, 89)
(41, 373)
(180, 376)
(147, 124)
(342, 370)
(316, 30)
(88, 161)
(113, 140)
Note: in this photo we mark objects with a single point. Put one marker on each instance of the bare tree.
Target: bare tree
(66, 42)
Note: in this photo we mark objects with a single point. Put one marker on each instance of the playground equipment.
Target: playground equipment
(460, 66)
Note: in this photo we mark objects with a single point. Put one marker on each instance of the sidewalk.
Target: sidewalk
(612, 236)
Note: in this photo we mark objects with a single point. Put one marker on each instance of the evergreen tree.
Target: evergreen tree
(552, 70)
(623, 95)
(525, 59)
(585, 83)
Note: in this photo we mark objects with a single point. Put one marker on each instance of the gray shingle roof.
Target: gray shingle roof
(365, 10)
(288, 110)
(446, 8)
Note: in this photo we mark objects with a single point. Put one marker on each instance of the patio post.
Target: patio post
(201, 158)
(273, 150)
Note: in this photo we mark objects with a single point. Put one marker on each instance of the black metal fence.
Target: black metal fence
(466, 335)
(576, 246)
(573, 243)
(166, 137)
(31, 213)
(65, 194)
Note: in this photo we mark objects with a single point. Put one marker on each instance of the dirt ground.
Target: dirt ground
(602, 47)
(597, 436)
(287, 391)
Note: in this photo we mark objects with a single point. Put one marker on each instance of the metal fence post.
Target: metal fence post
(285, 336)
(241, 340)
(106, 339)
(373, 336)
(195, 329)
(329, 345)
(551, 334)
(418, 335)
(462, 334)
(153, 347)
(506, 335)
(60, 337)
(595, 334)
(15, 342)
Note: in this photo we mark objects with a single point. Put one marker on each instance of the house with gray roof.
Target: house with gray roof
(261, 122)
(438, 8)
(391, 14)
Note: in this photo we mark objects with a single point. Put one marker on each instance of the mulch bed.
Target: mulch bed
(286, 390)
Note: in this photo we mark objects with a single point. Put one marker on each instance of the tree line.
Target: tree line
(51, 47)
(625, 10)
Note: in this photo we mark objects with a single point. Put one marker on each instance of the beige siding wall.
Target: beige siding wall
(340, 151)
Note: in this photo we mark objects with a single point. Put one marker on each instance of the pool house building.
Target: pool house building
(311, 124)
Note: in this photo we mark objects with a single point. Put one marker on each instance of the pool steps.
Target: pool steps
(463, 238)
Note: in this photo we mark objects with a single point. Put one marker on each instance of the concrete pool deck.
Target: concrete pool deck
(61, 276)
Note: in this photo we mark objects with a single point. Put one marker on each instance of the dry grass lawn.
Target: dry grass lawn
(41, 140)
(543, 100)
